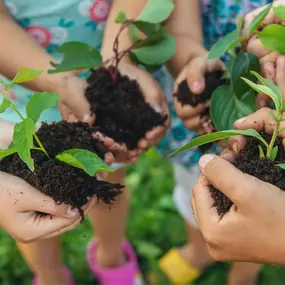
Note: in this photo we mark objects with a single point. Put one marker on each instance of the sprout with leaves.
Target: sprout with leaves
(151, 45)
(25, 137)
(265, 87)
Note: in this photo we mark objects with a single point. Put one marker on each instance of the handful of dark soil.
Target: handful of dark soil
(121, 110)
(62, 182)
(248, 161)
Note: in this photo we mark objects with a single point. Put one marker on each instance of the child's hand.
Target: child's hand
(194, 74)
(20, 204)
(154, 96)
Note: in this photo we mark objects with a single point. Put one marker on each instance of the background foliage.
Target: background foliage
(153, 228)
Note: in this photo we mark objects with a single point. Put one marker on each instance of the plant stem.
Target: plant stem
(274, 136)
(40, 145)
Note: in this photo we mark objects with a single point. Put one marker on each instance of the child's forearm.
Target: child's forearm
(185, 25)
(18, 49)
(6, 133)
(132, 9)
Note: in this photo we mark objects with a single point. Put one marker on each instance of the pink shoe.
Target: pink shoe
(66, 273)
(127, 274)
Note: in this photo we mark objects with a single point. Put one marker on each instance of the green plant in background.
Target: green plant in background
(235, 100)
(268, 88)
(151, 45)
(25, 138)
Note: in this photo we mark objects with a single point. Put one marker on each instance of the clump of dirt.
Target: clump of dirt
(248, 161)
(121, 110)
(62, 182)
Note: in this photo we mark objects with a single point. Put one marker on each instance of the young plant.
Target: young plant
(25, 138)
(236, 100)
(151, 45)
(265, 87)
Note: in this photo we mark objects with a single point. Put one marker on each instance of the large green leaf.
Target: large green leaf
(39, 103)
(23, 140)
(216, 137)
(257, 21)
(154, 38)
(272, 37)
(243, 64)
(6, 152)
(88, 161)
(224, 44)
(279, 12)
(25, 75)
(76, 56)
(264, 90)
(226, 108)
(156, 11)
(5, 104)
(157, 53)
(147, 28)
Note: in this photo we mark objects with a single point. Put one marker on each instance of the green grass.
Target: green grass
(153, 228)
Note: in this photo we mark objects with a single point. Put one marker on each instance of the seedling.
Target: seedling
(265, 87)
(25, 137)
(151, 45)
(232, 101)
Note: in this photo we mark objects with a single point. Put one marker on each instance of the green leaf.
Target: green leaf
(240, 23)
(261, 152)
(76, 56)
(216, 137)
(156, 11)
(148, 250)
(86, 160)
(24, 75)
(279, 12)
(156, 54)
(272, 37)
(282, 165)
(243, 64)
(264, 90)
(223, 45)
(134, 33)
(23, 140)
(159, 35)
(270, 85)
(273, 153)
(6, 152)
(147, 28)
(121, 18)
(39, 103)
(4, 105)
(226, 108)
(258, 20)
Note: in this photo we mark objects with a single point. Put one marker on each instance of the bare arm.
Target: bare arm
(6, 133)
(185, 25)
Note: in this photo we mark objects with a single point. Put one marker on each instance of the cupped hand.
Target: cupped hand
(256, 218)
(20, 208)
(194, 73)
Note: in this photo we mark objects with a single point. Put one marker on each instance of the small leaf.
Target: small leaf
(279, 12)
(273, 153)
(240, 23)
(281, 165)
(6, 152)
(4, 105)
(24, 75)
(223, 45)
(23, 140)
(216, 137)
(121, 18)
(86, 160)
(272, 37)
(147, 28)
(264, 90)
(156, 54)
(134, 33)
(258, 20)
(76, 56)
(156, 11)
(261, 152)
(39, 103)
(159, 35)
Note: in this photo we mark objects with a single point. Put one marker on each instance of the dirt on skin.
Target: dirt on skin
(121, 110)
(62, 182)
(248, 161)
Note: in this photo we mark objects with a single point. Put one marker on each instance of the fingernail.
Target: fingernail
(196, 85)
(86, 118)
(72, 212)
(205, 159)
(157, 108)
(241, 120)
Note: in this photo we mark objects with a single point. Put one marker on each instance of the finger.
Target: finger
(237, 186)
(181, 77)
(66, 113)
(187, 111)
(268, 65)
(280, 73)
(262, 100)
(237, 143)
(193, 124)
